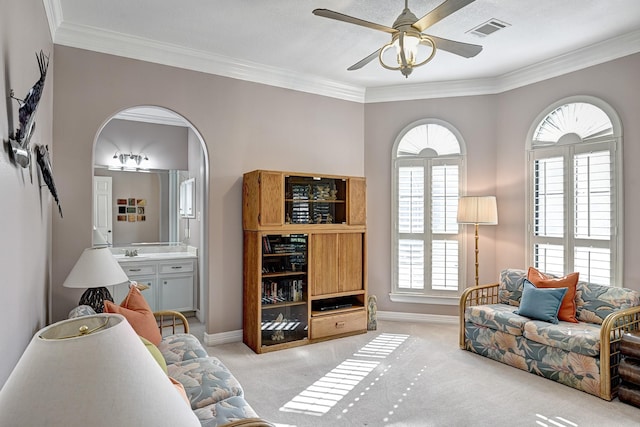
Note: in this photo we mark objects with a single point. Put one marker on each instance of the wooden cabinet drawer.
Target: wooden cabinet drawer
(337, 324)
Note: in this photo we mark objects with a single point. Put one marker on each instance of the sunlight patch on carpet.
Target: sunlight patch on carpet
(543, 421)
(324, 394)
(382, 346)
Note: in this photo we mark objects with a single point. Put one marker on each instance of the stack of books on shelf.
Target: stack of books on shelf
(282, 291)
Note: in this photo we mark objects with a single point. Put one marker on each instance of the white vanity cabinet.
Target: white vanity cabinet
(171, 282)
(176, 279)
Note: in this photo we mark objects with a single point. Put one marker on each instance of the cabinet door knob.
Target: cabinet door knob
(176, 267)
(135, 269)
(340, 325)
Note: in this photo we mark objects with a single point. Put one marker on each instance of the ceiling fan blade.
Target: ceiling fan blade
(364, 61)
(326, 13)
(440, 12)
(466, 50)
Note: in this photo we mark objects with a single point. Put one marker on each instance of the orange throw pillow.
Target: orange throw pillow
(137, 311)
(570, 281)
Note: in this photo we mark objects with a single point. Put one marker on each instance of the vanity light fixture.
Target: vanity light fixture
(124, 158)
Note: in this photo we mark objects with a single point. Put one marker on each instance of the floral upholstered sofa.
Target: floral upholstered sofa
(215, 395)
(584, 355)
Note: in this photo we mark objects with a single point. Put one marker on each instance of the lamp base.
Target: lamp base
(94, 297)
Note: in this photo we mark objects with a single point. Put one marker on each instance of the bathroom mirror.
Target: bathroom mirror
(147, 161)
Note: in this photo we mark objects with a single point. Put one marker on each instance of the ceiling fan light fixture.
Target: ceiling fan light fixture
(412, 47)
(408, 55)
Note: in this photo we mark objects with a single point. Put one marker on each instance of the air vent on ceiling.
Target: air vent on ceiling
(489, 27)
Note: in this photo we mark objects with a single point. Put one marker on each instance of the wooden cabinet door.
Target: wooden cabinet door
(323, 264)
(357, 201)
(350, 262)
(271, 198)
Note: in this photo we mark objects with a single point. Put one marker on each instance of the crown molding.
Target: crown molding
(151, 115)
(90, 38)
(113, 43)
(598, 53)
(53, 10)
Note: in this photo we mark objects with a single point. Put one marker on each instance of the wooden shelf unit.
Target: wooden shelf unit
(304, 275)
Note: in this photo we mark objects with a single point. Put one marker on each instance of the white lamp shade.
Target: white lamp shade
(477, 210)
(105, 378)
(96, 268)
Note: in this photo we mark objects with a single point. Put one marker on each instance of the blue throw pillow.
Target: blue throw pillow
(540, 303)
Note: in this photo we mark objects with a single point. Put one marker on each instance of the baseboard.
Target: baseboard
(222, 338)
(394, 316)
(397, 316)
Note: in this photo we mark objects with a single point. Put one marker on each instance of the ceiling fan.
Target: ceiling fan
(407, 37)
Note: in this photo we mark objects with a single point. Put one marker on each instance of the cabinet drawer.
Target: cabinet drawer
(176, 267)
(133, 270)
(329, 325)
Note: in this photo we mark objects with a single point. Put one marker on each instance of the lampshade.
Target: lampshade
(96, 268)
(102, 378)
(477, 210)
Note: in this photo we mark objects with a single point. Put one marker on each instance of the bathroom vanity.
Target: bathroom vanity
(169, 273)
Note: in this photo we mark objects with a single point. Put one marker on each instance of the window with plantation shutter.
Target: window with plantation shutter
(575, 192)
(427, 171)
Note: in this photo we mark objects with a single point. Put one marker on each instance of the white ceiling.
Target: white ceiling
(280, 42)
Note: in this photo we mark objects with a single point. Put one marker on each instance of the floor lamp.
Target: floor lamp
(477, 210)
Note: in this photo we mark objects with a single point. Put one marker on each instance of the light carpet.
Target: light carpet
(407, 374)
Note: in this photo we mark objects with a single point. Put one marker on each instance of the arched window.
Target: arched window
(427, 175)
(575, 191)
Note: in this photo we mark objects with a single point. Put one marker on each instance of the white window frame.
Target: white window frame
(427, 295)
(567, 148)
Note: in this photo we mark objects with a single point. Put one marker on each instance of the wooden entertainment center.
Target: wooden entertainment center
(304, 258)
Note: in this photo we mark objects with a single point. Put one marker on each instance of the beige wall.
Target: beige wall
(495, 129)
(475, 118)
(245, 126)
(25, 212)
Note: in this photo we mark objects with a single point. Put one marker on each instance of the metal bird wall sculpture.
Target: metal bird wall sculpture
(42, 157)
(27, 114)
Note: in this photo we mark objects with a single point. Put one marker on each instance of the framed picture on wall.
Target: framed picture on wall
(121, 202)
(132, 202)
(132, 218)
(142, 217)
(122, 217)
(131, 210)
(122, 209)
(141, 202)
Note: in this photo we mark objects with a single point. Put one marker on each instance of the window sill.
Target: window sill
(425, 299)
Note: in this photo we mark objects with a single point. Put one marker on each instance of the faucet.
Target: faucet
(131, 253)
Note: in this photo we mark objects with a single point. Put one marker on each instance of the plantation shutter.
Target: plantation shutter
(572, 213)
(444, 226)
(593, 188)
(549, 214)
(411, 201)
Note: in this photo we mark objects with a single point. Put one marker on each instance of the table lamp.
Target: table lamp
(477, 210)
(91, 370)
(95, 269)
